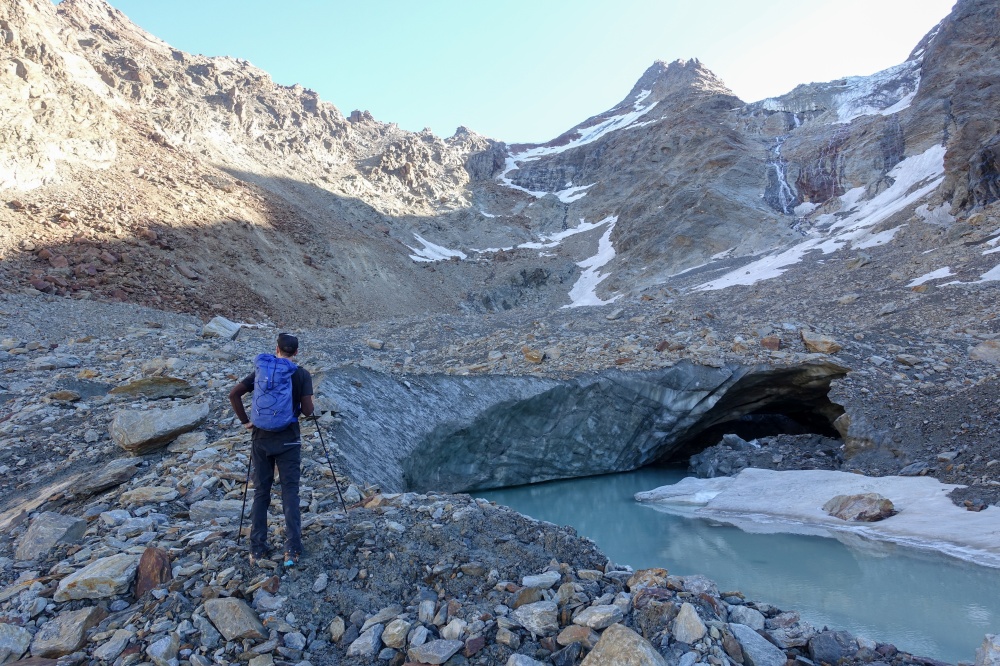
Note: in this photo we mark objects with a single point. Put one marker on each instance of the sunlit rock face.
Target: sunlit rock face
(465, 433)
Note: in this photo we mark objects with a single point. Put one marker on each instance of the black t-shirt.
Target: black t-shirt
(302, 384)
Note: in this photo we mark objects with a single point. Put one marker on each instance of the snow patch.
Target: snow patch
(584, 292)
(431, 252)
(933, 275)
(923, 172)
(584, 136)
(885, 93)
(571, 194)
(880, 238)
(805, 208)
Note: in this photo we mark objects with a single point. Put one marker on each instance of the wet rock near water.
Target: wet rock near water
(782, 452)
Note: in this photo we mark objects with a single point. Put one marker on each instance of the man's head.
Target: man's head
(288, 345)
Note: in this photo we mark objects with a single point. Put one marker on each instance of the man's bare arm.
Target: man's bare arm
(236, 400)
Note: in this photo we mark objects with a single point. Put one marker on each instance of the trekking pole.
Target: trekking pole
(239, 535)
(330, 463)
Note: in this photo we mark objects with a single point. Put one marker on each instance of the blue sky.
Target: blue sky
(527, 70)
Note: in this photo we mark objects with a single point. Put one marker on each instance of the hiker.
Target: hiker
(281, 392)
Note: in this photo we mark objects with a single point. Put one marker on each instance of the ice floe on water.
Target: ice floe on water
(913, 179)
(432, 252)
(791, 501)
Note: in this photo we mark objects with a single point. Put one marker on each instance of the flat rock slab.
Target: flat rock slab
(107, 577)
(66, 632)
(14, 641)
(220, 327)
(435, 652)
(48, 529)
(620, 646)
(756, 650)
(112, 474)
(542, 581)
(926, 515)
(140, 432)
(54, 362)
(209, 510)
(148, 495)
(234, 619)
(155, 388)
(20, 510)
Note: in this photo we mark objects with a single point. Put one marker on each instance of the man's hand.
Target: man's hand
(248, 425)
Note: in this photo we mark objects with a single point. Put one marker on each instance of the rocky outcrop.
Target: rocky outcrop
(141, 432)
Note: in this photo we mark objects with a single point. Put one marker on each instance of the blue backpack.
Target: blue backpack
(271, 407)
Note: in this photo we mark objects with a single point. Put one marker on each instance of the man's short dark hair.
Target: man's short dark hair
(288, 343)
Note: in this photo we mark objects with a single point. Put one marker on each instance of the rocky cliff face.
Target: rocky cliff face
(365, 220)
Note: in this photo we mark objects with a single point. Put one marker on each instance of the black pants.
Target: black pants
(287, 459)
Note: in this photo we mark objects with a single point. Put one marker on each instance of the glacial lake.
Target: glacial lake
(927, 604)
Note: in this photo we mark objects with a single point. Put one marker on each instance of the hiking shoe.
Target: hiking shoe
(257, 556)
(291, 559)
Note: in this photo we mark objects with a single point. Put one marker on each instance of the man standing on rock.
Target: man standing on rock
(281, 392)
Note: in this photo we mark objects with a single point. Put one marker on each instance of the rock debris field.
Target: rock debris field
(123, 473)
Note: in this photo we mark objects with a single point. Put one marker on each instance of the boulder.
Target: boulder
(164, 651)
(220, 327)
(234, 619)
(654, 577)
(54, 362)
(542, 581)
(66, 632)
(112, 474)
(368, 643)
(14, 641)
(140, 432)
(599, 617)
(155, 388)
(830, 647)
(540, 618)
(688, 626)
(395, 633)
(434, 652)
(208, 510)
(817, 343)
(988, 654)
(756, 650)
(578, 634)
(987, 351)
(148, 495)
(154, 570)
(864, 507)
(620, 646)
(750, 617)
(48, 529)
(107, 577)
(522, 660)
(114, 646)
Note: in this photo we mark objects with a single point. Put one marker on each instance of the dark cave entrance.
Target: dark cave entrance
(807, 411)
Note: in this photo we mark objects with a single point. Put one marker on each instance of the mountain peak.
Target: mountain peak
(665, 79)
